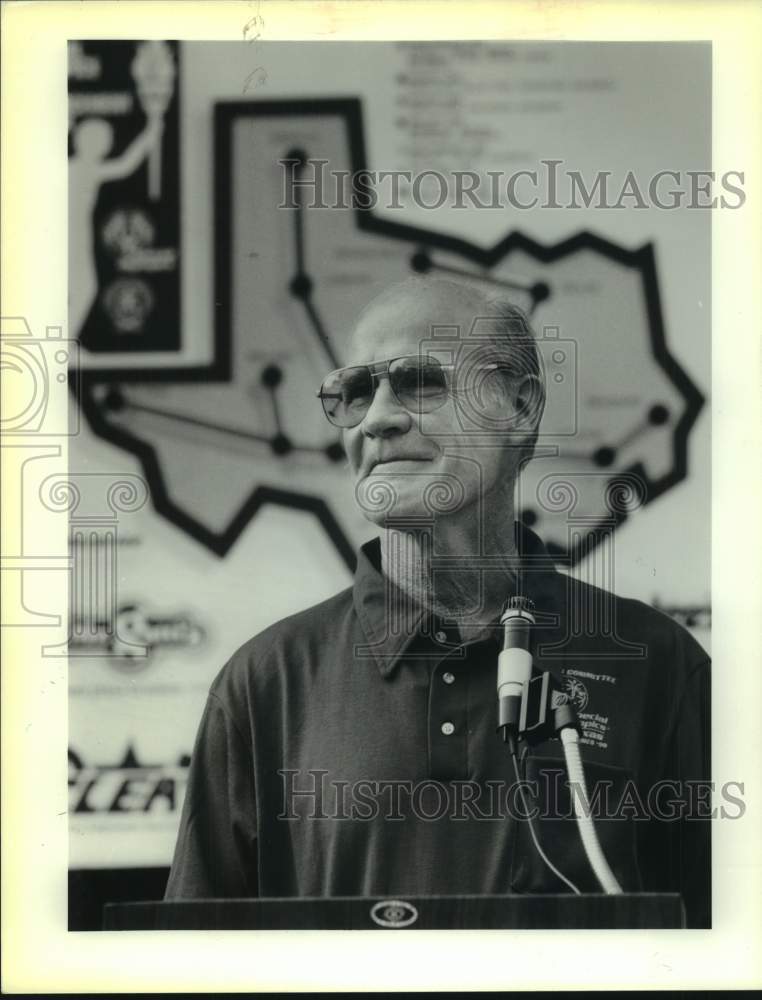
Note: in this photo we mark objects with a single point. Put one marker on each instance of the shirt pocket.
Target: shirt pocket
(549, 801)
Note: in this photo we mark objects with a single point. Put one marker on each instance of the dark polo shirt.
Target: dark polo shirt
(351, 749)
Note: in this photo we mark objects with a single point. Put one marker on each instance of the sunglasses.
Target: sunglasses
(420, 384)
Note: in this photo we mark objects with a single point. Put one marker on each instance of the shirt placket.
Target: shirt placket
(448, 712)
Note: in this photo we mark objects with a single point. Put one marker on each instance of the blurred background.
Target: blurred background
(214, 499)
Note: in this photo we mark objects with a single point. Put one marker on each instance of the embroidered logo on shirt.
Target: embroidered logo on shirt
(595, 727)
(577, 693)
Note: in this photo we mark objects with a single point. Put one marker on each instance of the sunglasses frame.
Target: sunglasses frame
(380, 369)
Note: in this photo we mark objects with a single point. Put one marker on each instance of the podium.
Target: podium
(530, 912)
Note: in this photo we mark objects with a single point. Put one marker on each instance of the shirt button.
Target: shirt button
(448, 678)
(440, 636)
(447, 728)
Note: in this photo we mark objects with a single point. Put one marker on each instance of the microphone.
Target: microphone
(514, 664)
(550, 712)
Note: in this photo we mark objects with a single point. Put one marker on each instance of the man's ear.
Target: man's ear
(529, 400)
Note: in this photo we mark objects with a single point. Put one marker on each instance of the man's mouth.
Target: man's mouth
(397, 460)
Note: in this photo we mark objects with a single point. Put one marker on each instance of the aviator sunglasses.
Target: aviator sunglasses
(420, 384)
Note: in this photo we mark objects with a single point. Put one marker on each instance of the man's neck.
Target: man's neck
(442, 567)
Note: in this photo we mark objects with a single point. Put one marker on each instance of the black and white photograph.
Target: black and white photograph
(374, 453)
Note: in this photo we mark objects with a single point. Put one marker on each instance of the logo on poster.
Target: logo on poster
(128, 302)
(126, 787)
(127, 230)
(133, 635)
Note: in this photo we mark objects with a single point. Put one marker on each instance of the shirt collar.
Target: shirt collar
(391, 620)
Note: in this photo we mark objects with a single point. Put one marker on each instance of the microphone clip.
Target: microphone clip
(545, 709)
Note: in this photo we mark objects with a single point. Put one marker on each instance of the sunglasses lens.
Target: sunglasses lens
(419, 384)
(346, 395)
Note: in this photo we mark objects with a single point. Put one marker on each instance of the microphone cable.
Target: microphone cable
(532, 832)
(585, 825)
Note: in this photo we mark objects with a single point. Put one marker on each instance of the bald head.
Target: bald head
(436, 294)
(419, 304)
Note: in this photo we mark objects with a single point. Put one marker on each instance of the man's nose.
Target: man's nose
(386, 416)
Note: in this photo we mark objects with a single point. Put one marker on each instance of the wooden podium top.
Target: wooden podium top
(537, 912)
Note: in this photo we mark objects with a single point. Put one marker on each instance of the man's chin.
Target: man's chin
(389, 492)
(385, 493)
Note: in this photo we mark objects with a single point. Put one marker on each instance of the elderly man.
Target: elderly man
(351, 749)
